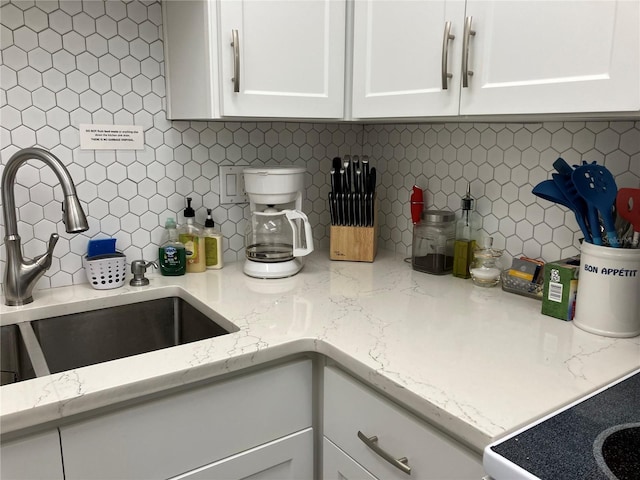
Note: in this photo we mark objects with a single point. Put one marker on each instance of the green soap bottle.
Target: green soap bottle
(467, 230)
(172, 256)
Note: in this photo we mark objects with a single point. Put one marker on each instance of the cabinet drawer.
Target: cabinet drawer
(181, 432)
(350, 407)
(337, 465)
(32, 458)
(289, 458)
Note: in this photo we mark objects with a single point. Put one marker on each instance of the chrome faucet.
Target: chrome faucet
(21, 275)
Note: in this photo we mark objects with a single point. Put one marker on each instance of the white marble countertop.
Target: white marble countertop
(477, 362)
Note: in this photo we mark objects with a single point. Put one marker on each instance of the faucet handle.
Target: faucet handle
(44, 260)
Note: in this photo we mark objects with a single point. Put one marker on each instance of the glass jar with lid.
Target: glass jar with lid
(433, 242)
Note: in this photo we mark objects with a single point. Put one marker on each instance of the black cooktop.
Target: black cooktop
(598, 438)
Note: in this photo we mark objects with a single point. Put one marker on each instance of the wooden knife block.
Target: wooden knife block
(354, 244)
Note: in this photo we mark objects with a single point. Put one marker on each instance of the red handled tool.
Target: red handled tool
(417, 204)
(628, 207)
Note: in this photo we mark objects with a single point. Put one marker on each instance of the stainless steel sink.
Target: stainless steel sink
(15, 363)
(57, 344)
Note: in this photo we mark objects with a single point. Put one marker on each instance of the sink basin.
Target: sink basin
(86, 338)
(15, 364)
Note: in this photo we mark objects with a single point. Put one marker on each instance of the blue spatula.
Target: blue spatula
(597, 186)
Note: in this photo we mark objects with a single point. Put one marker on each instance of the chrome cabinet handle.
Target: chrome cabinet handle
(372, 442)
(468, 32)
(445, 55)
(235, 43)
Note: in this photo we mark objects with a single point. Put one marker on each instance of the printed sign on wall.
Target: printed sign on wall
(111, 137)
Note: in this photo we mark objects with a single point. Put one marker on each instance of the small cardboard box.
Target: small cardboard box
(560, 288)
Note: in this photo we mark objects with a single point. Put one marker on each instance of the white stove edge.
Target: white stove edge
(499, 468)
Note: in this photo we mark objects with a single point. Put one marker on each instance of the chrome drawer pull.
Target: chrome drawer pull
(235, 43)
(468, 32)
(445, 53)
(372, 443)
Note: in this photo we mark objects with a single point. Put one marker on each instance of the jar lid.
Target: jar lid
(434, 216)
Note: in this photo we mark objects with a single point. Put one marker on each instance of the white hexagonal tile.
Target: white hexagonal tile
(14, 57)
(118, 47)
(73, 42)
(63, 61)
(98, 208)
(86, 63)
(150, 68)
(106, 26)
(111, 101)
(12, 16)
(48, 137)
(23, 137)
(53, 80)
(630, 141)
(25, 38)
(34, 118)
(60, 22)
(93, 9)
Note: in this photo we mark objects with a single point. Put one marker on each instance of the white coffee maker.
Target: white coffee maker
(278, 233)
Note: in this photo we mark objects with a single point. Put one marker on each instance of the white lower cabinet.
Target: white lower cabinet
(289, 458)
(181, 433)
(351, 408)
(36, 457)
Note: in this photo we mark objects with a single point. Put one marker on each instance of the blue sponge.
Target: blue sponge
(101, 246)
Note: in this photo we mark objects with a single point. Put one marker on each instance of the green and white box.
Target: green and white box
(561, 288)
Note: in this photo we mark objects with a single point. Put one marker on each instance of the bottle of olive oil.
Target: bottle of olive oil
(467, 232)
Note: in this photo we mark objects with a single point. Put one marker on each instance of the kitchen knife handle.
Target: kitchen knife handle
(235, 43)
(468, 32)
(401, 464)
(445, 55)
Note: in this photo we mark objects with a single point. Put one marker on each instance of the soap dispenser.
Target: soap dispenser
(172, 254)
(213, 244)
(191, 236)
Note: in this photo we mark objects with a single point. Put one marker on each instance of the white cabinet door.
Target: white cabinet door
(171, 435)
(337, 465)
(36, 457)
(398, 54)
(288, 458)
(288, 60)
(553, 56)
(351, 408)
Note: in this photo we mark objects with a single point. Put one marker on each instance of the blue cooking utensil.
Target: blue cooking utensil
(562, 179)
(597, 186)
(549, 190)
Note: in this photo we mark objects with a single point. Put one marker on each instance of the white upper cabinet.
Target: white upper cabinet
(255, 58)
(560, 56)
(399, 55)
(289, 56)
(229, 59)
(519, 57)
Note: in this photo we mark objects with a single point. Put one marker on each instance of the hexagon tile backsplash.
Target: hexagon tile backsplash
(71, 62)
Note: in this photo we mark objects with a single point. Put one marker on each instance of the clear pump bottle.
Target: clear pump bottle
(191, 235)
(467, 234)
(213, 244)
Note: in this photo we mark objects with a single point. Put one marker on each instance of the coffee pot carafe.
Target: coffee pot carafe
(278, 234)
(274, 236)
